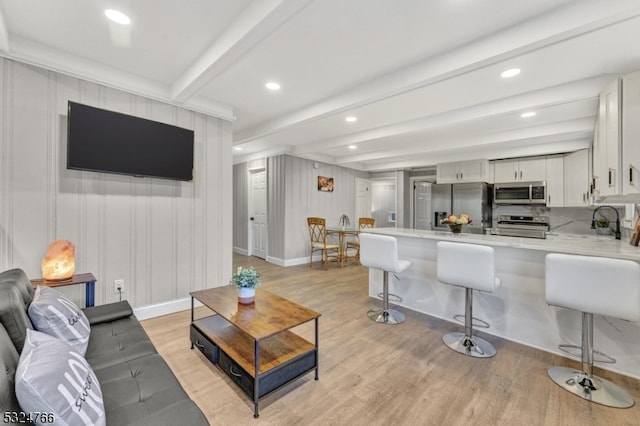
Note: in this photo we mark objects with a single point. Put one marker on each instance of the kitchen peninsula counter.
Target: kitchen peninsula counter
(518, 310)
(586, 245)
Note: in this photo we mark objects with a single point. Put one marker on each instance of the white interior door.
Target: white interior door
(363, 198)
(258, 215)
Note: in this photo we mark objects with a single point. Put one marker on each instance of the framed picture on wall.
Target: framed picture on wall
(325, 184)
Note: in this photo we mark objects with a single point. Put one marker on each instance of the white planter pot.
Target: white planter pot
(246, 295)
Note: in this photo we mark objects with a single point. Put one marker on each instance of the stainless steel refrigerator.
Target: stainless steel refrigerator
(474, 199)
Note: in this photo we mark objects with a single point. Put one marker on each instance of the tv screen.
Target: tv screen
(105, 141)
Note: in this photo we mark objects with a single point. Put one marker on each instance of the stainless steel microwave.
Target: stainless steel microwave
(520, 193)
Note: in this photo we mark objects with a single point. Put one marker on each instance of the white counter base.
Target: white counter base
(517, 311)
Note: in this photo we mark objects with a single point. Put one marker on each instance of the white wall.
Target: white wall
(165, 238)
(292, 196)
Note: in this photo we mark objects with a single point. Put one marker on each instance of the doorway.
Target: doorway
(258, 214)
(363, 198)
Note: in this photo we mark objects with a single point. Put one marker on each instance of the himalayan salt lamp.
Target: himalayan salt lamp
(59, 261)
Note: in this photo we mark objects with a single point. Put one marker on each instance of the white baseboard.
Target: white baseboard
(288, 262)
(241, 251)
(164, 308)
(292, 262)
(275, 260)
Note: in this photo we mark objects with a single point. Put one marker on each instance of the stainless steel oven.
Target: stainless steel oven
(522, 226)
(520, 193)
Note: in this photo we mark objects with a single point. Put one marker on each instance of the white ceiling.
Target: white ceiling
(422, 77)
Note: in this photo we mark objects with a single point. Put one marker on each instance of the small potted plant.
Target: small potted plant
(602, 226)
(344, 221)
(246, 280)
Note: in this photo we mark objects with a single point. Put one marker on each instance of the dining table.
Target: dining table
(343, 232)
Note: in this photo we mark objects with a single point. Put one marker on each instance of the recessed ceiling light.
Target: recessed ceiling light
(272, 85)
(117, 17)
(510, 73)
(237, 148)
(351, 119)
(528, 114)
(352, 147)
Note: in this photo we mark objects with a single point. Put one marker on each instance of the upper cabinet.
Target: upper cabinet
(576, 179)
(606, 142)
(555, 180)
(463, 171)
(616, 150)
(520, 170)
(631, 133)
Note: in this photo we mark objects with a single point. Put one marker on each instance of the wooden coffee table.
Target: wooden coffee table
(253, 344)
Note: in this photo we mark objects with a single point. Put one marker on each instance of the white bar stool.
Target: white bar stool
(470, 266)
(381, 252)
(592, 285)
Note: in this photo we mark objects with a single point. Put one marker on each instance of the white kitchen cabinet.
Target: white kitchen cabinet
(463, 171)
(447, 172)
(631, 133)
(520, 170)
(576, 179)
(606, 144)
(555, 181)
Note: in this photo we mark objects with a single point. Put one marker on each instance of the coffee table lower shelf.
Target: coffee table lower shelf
(282, 358)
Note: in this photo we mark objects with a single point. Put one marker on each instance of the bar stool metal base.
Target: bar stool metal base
(388, 316)
(475, 322)
(592, 388)
(473, 346)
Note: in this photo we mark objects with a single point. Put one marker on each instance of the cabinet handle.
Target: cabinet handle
(611, 177)
(520, 174)
(198, 344)
(233, 373)
(515, 175)
(631, 174)
(460, 175)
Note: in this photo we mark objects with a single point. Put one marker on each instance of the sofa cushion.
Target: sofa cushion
(8, 365)
(134, 389)
(117, 342)
(13, 315)
(18, 278)
(52, 313)
(53, 378)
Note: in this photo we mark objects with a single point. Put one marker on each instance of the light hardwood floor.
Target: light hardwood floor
(374, 374)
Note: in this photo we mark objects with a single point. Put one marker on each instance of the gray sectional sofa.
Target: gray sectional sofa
(137, 386)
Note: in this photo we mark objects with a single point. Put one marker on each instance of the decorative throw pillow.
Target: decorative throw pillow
(56, 385)
(51, 312)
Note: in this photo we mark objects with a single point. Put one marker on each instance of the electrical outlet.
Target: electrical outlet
(118, 286)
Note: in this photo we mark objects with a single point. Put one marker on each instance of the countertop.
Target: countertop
(605, 246)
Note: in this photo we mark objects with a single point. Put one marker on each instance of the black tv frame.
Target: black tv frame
(104, 141)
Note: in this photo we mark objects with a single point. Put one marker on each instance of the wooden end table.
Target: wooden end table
(87, 279)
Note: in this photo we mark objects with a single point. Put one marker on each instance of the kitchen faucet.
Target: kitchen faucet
(593, 220)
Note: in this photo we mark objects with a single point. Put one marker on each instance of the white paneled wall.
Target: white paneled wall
(164, 238)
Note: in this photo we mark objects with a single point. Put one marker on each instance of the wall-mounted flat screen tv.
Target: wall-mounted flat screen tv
(105, 141)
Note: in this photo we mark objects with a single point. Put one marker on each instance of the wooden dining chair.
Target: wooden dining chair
(318, 236)
(363, 223)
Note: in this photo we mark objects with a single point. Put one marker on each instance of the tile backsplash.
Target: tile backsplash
(568, 220)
